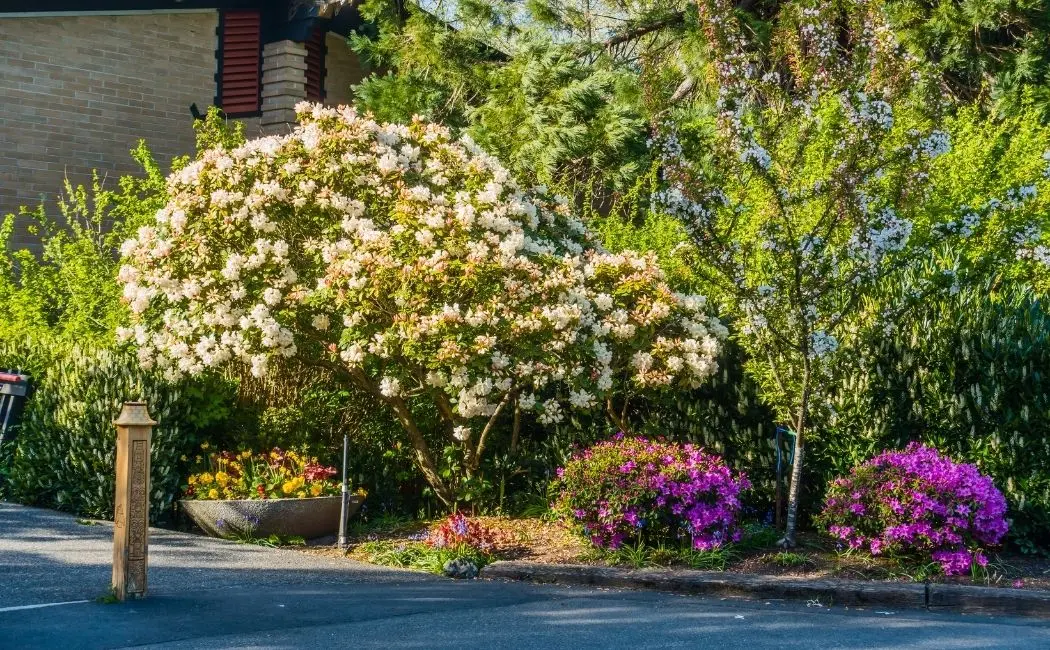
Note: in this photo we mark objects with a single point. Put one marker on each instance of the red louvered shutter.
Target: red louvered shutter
(315, 65)
(240, 79)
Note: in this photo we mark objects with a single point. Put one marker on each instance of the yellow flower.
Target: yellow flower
(205, 446)
(213, 494)
(183, 458)
(301, 494)
(206, 478)
(246, 454)
(293, 485)
(193, 479)
(315, 489)
(222, 478)
(197, 459)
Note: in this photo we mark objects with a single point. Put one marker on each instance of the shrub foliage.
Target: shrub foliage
(65, 453)
(634, 490)
(917, 502)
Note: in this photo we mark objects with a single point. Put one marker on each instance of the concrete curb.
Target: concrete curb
(988, 600)
(943, 598)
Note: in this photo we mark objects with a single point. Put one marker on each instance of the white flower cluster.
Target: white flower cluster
(936, 144)
(865, 112)
(751, 151)
(412, 259)
(821, 344)
(889, 233)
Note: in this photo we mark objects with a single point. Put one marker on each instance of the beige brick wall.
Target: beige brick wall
(342, 69)
(77, 92)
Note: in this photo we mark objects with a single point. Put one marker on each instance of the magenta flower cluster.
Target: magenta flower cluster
(914, 502)
(632, 489)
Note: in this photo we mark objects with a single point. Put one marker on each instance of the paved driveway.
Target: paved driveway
(211, 594)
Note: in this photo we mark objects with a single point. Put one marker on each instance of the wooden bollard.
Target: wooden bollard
(131, 506)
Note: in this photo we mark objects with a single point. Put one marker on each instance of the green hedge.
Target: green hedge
(968, 374)
(64, 455)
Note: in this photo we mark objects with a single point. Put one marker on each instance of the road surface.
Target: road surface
(207, 593)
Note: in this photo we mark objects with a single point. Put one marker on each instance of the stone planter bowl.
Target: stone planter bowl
(307, 518)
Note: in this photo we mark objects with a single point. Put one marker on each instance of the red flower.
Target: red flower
(315, 472)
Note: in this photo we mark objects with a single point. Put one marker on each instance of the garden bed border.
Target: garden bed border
(933, 597)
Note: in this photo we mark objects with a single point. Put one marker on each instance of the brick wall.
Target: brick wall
(342, 69)
(78, 92)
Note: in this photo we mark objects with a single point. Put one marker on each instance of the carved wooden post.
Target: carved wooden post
(131, 506)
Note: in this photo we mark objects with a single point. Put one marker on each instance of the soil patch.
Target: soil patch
(538, 540)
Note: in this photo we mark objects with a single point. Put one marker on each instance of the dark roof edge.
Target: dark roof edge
(93, 6)
(282, 19)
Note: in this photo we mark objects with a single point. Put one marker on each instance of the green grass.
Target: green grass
(789, 559)
(756, 537)
(419, 555)
(109, 598)
(381, 524)
(270, 541)
(641, 556)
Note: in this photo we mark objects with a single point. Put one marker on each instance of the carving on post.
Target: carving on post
(131, 505)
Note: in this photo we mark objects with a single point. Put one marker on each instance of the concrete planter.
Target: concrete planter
(307, 518)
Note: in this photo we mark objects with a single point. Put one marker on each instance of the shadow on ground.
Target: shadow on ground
(208, 593)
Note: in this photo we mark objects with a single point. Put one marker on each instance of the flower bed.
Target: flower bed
(269, 475)
(633, 489)
(917, 502)
(457, 547)
(277, 492)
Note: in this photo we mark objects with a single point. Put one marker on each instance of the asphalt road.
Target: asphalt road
(211, 594)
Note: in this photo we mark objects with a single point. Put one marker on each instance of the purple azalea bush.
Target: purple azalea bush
(634, 489)
(914, 502)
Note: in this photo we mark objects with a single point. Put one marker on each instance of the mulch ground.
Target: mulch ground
(536, 540)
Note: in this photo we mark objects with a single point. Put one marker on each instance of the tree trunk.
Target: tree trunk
(474, 456)
(516, 431)
(788, 541)
(424, 459)
(620, 420)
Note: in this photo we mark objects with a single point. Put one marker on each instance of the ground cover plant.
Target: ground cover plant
(918, 502)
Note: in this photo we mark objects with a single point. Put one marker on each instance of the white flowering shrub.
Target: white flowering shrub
(808, 190)
(412, 265)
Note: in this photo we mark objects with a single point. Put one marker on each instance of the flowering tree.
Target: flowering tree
(413, 266)
(806, 190)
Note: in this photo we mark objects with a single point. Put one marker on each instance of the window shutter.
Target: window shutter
(315, 65)
(240, 70)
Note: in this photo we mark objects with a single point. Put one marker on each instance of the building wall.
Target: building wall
(78, 92)
(342, 69)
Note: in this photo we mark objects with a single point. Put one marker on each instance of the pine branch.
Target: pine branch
(641, 30)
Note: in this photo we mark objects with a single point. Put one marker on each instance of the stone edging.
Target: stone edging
(935, 597)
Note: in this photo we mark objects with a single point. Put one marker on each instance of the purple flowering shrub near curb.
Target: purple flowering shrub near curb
(917, 502)
(637, 490)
